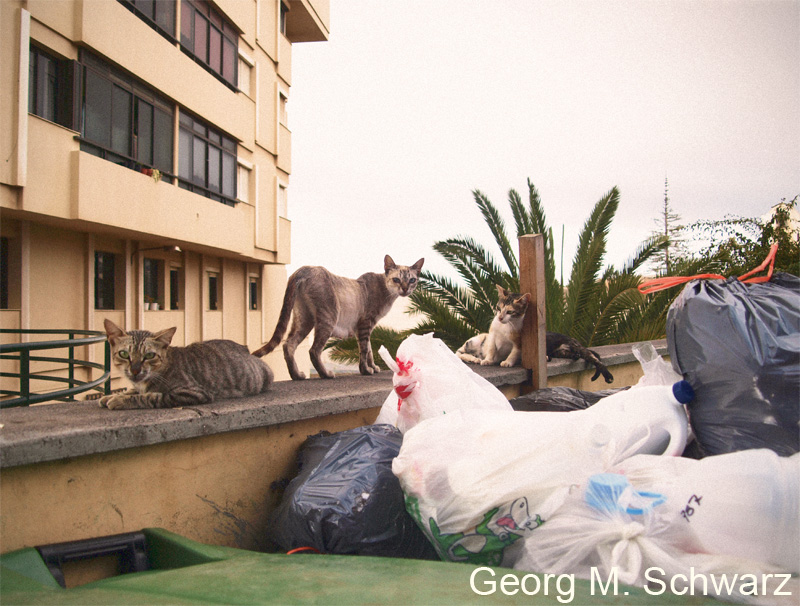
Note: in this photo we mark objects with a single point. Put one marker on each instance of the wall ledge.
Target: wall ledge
(58, 431)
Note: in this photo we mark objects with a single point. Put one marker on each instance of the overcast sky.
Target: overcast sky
(412, 104)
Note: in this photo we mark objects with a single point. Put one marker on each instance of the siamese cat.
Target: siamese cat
(339, 307)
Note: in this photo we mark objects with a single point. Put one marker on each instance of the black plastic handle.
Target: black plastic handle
(130, 547)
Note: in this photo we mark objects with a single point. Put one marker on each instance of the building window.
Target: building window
(4, 268)
(10, 273)
(243, 183)
(254, 292)
(283, 202)
(283, 116)
(104, 280)
(175, 281)
(124, 121)
(210, 39)
(151, 270)
(284, 15)
(51, 83)
(158, 14)
(214, 302)
(207, 160)
(245, 70)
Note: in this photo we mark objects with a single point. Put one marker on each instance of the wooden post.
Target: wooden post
(531, 279)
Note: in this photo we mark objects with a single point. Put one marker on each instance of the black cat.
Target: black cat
(562, 346)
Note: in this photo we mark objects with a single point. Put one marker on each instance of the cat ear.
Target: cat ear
(418, 265)
(113, 332)
(526, 297)
(388, 264)
(500, 290)
(165, 336)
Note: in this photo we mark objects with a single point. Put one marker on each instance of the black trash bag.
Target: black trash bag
(738, 345)
(559, 399)
(346, 500)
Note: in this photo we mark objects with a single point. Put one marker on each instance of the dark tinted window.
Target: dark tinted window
(207, 160)
(210, 39)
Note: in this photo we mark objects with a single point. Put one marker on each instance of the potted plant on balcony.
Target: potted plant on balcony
(152, 172)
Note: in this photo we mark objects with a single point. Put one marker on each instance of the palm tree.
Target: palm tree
(598, 306)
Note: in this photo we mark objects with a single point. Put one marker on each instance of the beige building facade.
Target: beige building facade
(145, 163)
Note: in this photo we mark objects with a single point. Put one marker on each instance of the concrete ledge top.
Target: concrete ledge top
(63, 430)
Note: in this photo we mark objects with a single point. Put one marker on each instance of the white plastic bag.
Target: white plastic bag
(656, 370)
(477, 481)
(429, 381)
(614, 531)
(744, 504)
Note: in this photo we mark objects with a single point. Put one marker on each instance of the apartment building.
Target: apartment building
(145, 163)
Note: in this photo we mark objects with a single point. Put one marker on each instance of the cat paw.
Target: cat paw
(486, 363)
(468, 358)
(115, 402)
(506, 364)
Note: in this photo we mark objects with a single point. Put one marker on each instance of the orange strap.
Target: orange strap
(656, 284)
(303, 550)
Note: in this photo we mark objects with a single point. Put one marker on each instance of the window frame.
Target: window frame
(214, 290)
(10, 272)
(5, 271)
(254, 293)
(175, 287)
(198, 136)
(151, 17)
(60, 96)
(200, 13)
(105, 286)
(155, 267)
(100, 84)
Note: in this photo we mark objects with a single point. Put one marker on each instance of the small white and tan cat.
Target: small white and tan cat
(502, 343)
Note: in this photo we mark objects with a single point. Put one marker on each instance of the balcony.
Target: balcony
(156, 208)
(30, 373)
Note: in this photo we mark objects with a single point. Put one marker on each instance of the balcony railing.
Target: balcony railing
(21, 353)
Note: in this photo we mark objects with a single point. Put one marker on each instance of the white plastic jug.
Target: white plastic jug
(652, 416)
(744, 504)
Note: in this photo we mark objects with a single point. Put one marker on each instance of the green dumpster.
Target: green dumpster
(166, 568)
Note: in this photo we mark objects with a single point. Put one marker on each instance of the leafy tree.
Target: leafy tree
(739, 244)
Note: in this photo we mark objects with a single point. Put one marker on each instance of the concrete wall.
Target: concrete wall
(74, 471)
(215, 489)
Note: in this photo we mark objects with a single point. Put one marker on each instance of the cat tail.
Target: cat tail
(283, 319)
(592, 357)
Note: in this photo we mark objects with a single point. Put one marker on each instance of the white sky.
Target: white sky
(412, 104)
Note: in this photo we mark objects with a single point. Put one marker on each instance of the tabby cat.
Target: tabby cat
(562, 346)
(164, 376)
(502, 342)
(338, 307)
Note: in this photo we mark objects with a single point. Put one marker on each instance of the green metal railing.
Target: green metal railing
(21, 352)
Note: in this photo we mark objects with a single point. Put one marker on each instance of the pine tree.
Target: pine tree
(670, 228)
